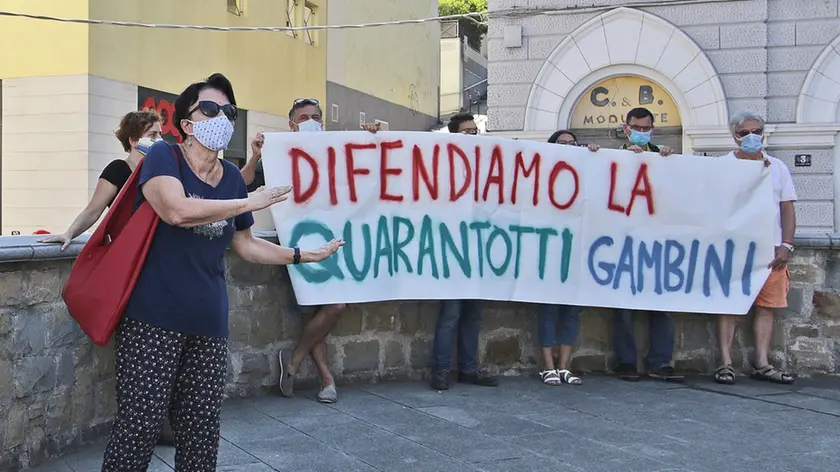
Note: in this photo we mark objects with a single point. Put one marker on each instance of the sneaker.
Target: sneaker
(627, 372)
(287, 381)
(479, 378)
(666, 372)
(327, 395)
(440, 381)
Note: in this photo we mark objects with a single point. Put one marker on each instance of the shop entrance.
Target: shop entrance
(601, 110)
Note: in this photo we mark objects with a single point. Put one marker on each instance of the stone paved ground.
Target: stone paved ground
(606, 425)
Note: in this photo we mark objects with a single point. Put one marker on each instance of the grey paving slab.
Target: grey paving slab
(603, 425)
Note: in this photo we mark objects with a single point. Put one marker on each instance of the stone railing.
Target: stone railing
(57, 389)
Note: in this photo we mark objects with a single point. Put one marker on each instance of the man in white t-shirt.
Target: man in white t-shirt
(748, 131)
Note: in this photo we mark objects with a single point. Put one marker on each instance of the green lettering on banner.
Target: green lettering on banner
(324, 270)
(358, 275)
(400, 244)
(567, 255)
(427, 247)
(478, 226)
(383, 247)
(463, 257)
(544, 235)
(519, 230)
(499, 233)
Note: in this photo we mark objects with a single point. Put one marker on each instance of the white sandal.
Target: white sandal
(566, 376)
(550, 377)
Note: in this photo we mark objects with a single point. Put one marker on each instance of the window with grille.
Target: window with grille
(291, 16)
(335, 113)
(362, 118)
(310, 18)
(235, 7)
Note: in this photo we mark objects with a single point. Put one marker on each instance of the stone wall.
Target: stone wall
(57, 389)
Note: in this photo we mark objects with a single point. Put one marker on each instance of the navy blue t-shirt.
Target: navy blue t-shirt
(182, 285)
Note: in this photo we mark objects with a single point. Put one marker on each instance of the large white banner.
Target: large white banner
(447, 216)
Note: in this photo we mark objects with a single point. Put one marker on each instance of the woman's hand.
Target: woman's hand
(324, 251)
(64, 239)
(264, 198)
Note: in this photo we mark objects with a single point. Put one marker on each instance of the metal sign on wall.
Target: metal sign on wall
(164, 104)
(605, 105)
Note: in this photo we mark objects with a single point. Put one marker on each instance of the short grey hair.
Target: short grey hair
(743, 117)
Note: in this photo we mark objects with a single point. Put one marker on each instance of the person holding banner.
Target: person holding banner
(304, 116)
(558, 325)
(172, 340)
(459, 321)
(748, 131)
(638, 127)
(137, 132)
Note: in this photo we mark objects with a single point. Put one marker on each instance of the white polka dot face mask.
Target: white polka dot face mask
(215, 133)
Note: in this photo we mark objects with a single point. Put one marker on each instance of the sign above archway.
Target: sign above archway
(605, 105)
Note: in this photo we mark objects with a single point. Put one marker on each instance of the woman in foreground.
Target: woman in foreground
(173, 337)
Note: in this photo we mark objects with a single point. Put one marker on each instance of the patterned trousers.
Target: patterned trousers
(154, 365)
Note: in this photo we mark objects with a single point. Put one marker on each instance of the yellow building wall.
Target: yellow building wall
(386, 61)
(268, 69)
(32, 48)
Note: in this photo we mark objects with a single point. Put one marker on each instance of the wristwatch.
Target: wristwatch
(788, 245)
(296, 259)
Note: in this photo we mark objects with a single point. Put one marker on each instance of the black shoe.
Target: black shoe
(627, 372)
(479, 378)
(666, 372)
(440, 381)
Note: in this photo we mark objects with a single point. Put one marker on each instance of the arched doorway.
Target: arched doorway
(626, 42)
(601, 110)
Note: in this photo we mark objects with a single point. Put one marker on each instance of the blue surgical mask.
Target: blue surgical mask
(145, 144)
(639, 138)
(310, 125)
(751, 143)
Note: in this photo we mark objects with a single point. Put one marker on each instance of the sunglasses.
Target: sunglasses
(306, 101)
(568, 143)
(745, 132)
(211, 109)
(471, 131)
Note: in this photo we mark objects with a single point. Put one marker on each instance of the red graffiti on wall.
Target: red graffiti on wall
(167, 113)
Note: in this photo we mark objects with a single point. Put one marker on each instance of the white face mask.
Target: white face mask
(309, 125)
(215, 133)
(145, 144)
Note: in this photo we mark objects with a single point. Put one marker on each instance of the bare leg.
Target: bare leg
(319, 355)
(548, 358)
(313, 333)
(763, 328)
(565, 356)
(725, 334)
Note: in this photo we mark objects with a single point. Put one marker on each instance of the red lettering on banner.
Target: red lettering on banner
(642, 188)
(300, 195)
(555, 172)
(385, 171)
(534, 168)
(419, 171)
(453, 149)
(611, 205)
(331, 175)
(498, 178)
(352, 171)
(477, 172)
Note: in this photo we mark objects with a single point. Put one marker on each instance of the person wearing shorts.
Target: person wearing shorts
(748, 131)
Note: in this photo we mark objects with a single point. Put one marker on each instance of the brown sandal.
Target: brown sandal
(770, 374)
(725, 375)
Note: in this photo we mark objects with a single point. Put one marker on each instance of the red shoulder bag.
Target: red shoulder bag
(104, 275)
